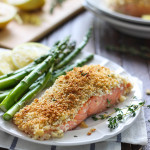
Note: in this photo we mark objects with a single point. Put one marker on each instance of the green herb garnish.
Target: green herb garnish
(108, 101)
(94, 118)
(75, 136)
(117, 109)
(54, 99)
(84, 74)
(102, 117)
(134, 97)
(142, 103)
(132, 109)
(56, 3)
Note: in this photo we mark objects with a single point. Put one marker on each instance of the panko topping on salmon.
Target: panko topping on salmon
(75, 96)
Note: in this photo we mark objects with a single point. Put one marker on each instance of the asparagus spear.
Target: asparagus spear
(22, 87)
(28, 96)
(68, 68)
(40, 85)
(13, 80)
(76, 51)
(3, 94)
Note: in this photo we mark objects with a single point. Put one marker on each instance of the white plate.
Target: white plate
(122, 26)
(102, 131)
(102, 6)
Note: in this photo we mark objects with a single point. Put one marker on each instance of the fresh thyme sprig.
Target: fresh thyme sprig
(55, 3)
(126, 112)
(130, 111)
(100, 117)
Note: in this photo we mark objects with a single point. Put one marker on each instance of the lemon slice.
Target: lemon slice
(4, 68)
(146, 17)
(26, 53)
(27, 5)
(6, 64)
(7, 13)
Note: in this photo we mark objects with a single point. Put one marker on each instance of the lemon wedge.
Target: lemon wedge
(26, 53)
(27, 5)
(6, 65)
(146, 17)
(7, 13)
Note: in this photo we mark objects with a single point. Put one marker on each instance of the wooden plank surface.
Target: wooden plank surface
(15, 33)
(103, 35)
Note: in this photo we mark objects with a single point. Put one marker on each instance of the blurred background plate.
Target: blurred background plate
(102, 6)
(137, 30)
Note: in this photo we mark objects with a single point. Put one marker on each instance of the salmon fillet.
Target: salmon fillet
(75, 96)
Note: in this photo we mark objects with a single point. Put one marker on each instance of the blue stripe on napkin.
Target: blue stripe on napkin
(14, 143)
(53, 147)
(92, 146)
(119, 137)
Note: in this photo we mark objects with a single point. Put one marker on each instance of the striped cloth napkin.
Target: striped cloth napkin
(136, 134)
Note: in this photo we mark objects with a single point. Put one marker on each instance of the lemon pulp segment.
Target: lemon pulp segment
(27, 5)
(6, 65)
(7, 13)
(26, 53)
